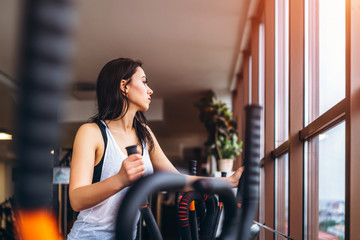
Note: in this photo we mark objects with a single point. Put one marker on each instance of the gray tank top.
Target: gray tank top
(98, 222)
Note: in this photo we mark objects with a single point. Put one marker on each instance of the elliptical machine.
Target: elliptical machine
(237, 220)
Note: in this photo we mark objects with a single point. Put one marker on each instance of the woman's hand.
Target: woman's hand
(234, 179)
(132, 169)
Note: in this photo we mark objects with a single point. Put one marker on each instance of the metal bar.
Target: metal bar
(272, 230)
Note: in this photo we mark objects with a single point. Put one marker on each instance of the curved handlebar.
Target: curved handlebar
(248, 188)
(134, 198)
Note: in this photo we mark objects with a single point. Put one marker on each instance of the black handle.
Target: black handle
(248, 189)
(134, 198)
(131, 150)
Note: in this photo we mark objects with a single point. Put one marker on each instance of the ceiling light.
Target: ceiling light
(4, 135)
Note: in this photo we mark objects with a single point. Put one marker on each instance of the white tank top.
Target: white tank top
(103, 215)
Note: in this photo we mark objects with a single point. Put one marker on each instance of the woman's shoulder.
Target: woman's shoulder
(88, 135)
(90, 129)
(89, 126)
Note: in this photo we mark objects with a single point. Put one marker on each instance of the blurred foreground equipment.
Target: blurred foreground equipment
(45, 54)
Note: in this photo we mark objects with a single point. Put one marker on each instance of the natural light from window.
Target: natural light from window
(325, 185)
(325, 52)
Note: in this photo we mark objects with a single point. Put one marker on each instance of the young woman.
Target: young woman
(101, 171)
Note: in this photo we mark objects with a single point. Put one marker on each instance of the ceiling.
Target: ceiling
(187, 47)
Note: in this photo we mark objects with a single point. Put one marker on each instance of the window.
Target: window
(325, 53)
(281, 71)
(325, 185)
(261, 89)
(262, 202)
(282, 195)
(262, 85)
(250, 79)
(325, 74)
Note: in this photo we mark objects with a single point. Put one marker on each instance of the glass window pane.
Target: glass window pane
(282, 195)
(262, 86)
(250, 79)
(324, 56)
(325, 185)
(262, 203)
(262, 125)
(281, 71)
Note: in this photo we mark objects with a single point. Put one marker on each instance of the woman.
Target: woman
(100, 169)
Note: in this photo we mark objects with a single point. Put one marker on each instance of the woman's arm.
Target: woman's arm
(162, 163)
(88, 146)
(233, 180)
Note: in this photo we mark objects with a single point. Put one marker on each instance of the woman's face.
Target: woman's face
(138, 91)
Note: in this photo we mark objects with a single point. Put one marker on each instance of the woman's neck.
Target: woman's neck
(124, 124)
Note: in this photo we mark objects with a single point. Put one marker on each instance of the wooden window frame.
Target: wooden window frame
(238, 106)
(296, 117)
(258, 95)
(280, 194)
(269, 165)
(352, 181)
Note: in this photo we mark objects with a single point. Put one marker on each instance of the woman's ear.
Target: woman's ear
(123, 86)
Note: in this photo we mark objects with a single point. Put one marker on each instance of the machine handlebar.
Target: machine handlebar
(134, 198)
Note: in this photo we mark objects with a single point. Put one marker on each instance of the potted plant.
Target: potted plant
(223, 142)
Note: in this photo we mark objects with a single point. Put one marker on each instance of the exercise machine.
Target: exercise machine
(237, 220)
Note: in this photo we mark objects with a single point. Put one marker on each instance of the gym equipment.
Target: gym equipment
(248, 188)
(210, 186)
(237, 221)
(192, 212)
(145, 210)
(167, 181)
(134, 198)
(188, 226)
(207, 206)
(220, 207)
(45, 54)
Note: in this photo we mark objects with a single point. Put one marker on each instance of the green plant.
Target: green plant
(222, 139)
(229, 148)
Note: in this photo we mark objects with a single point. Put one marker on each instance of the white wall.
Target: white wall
(80, 111)
(225, 96)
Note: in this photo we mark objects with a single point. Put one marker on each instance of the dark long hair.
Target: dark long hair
(112, 103)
